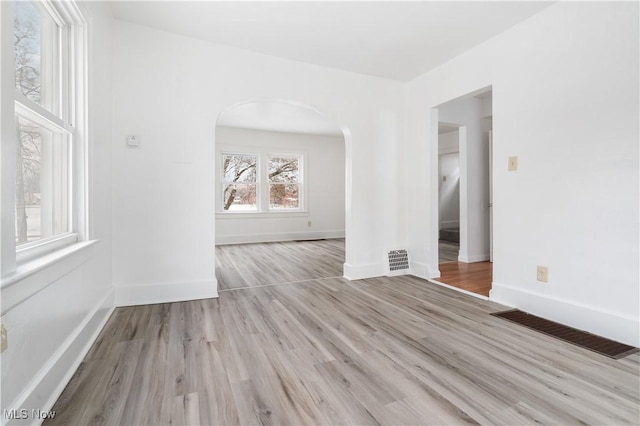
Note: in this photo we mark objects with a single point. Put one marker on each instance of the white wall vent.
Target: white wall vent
(398, 260)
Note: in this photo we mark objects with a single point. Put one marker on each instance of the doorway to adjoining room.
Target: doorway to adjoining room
(465, 192)
(280, 194)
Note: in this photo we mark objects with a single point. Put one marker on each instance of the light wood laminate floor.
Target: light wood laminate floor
(253, 265)
(392, 350)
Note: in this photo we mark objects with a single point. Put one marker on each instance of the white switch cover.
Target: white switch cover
(543, 274)
(133, 141)
(513, 163)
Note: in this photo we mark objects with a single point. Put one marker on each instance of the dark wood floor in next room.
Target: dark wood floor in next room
(474, 277)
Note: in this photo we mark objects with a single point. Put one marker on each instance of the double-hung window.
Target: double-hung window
(48, 124)
(261, 182)
(285, 180)
(240, 182)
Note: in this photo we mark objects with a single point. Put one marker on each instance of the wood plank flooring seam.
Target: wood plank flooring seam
(325, 350)
(279, 284)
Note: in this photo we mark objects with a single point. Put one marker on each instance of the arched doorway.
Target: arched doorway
(281, 194)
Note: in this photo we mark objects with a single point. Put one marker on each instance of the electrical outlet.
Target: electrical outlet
(543, 274)
(513, 164)
(4, 341)
(309, 224)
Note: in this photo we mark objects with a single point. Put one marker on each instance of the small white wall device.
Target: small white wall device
(133, 141)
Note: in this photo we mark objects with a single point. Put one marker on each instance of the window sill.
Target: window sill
(33, 276)
(261, 215)
(39, 249)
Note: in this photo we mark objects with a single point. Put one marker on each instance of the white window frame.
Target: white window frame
(262, 182)
(69, 116)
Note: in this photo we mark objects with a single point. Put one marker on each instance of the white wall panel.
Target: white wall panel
(565, 101)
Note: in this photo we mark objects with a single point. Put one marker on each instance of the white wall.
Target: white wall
(49, 331)
(565, 101)
(449, 190)
(324, 197)
(474, 176)
(449, 180)
(448, 143)
(170, 90)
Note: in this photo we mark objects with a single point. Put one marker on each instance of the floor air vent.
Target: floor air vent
(398, 260)
(580, 338)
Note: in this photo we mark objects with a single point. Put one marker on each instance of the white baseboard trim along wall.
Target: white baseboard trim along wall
(288, 236)
(473, 259)
(422, 270)
(148, 294)
(360, 272)
(44, 389)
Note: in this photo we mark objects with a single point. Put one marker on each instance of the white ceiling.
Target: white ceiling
(392, 39)
(278, 116)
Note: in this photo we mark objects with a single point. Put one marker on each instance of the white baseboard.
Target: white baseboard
(47, 386)
(359, 272)
(280, 236)
(473, 259)
(588, 318)
(397, 273)
(422, 270)
(148, 294)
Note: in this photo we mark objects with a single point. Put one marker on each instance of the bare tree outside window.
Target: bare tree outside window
(27, 49)
(240, 179)
(28, 166)
(42, 155)
(284, 182)
(27, 43)
(241, 186)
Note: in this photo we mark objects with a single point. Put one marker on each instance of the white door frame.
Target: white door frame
(491, 195)
(435, 179)
(463, 254)
(464, 196)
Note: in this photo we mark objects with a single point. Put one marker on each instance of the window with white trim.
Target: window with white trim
(285, 182)
(49, 125)
(261, 182)
(239, 182)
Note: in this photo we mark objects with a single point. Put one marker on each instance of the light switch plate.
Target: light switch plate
(543, 274)
(133, 141)
(513, 163)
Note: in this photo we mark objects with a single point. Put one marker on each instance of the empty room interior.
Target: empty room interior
(421, 212)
